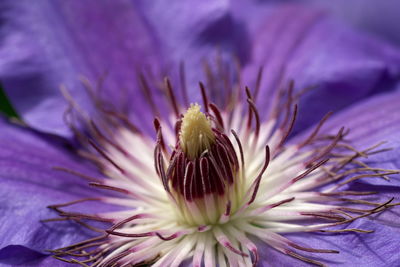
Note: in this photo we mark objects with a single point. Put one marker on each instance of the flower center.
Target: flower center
(203, 170)
(197, 199)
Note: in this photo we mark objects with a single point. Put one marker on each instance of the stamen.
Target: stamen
(127, 122)
(257, 181)
(302, 258)
(117, 189)
(105, 156)
(316, 130)
(290, 128)
(172, 97)
(240, 147)
(218, 115)
(145, 88)
(258, 82)
(160, 138)
(204, 95)
(182, 79)
(250, 110)
(254, 109)
(78, 174)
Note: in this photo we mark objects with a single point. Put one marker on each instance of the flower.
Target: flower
(267, 178)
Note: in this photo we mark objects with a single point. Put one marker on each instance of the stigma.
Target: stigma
(196, 134)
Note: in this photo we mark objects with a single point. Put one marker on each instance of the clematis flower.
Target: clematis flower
(149, 166)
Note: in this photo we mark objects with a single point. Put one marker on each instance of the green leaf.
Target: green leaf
(6, 106)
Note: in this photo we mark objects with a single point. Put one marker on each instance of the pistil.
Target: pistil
(196, 134)
(203, 169)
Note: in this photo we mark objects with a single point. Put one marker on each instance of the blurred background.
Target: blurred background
(378, 18)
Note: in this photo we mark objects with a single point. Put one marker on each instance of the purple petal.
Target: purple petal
(375, 249)
(18, 255)
(54, 42)
(24, 257)
(305, 45)
(46, 261)
(29, 184)
(379, 18)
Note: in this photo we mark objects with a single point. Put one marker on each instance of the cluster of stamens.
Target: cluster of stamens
(218, 180)
(203, 170)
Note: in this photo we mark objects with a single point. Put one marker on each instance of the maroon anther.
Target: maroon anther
(210, 173)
